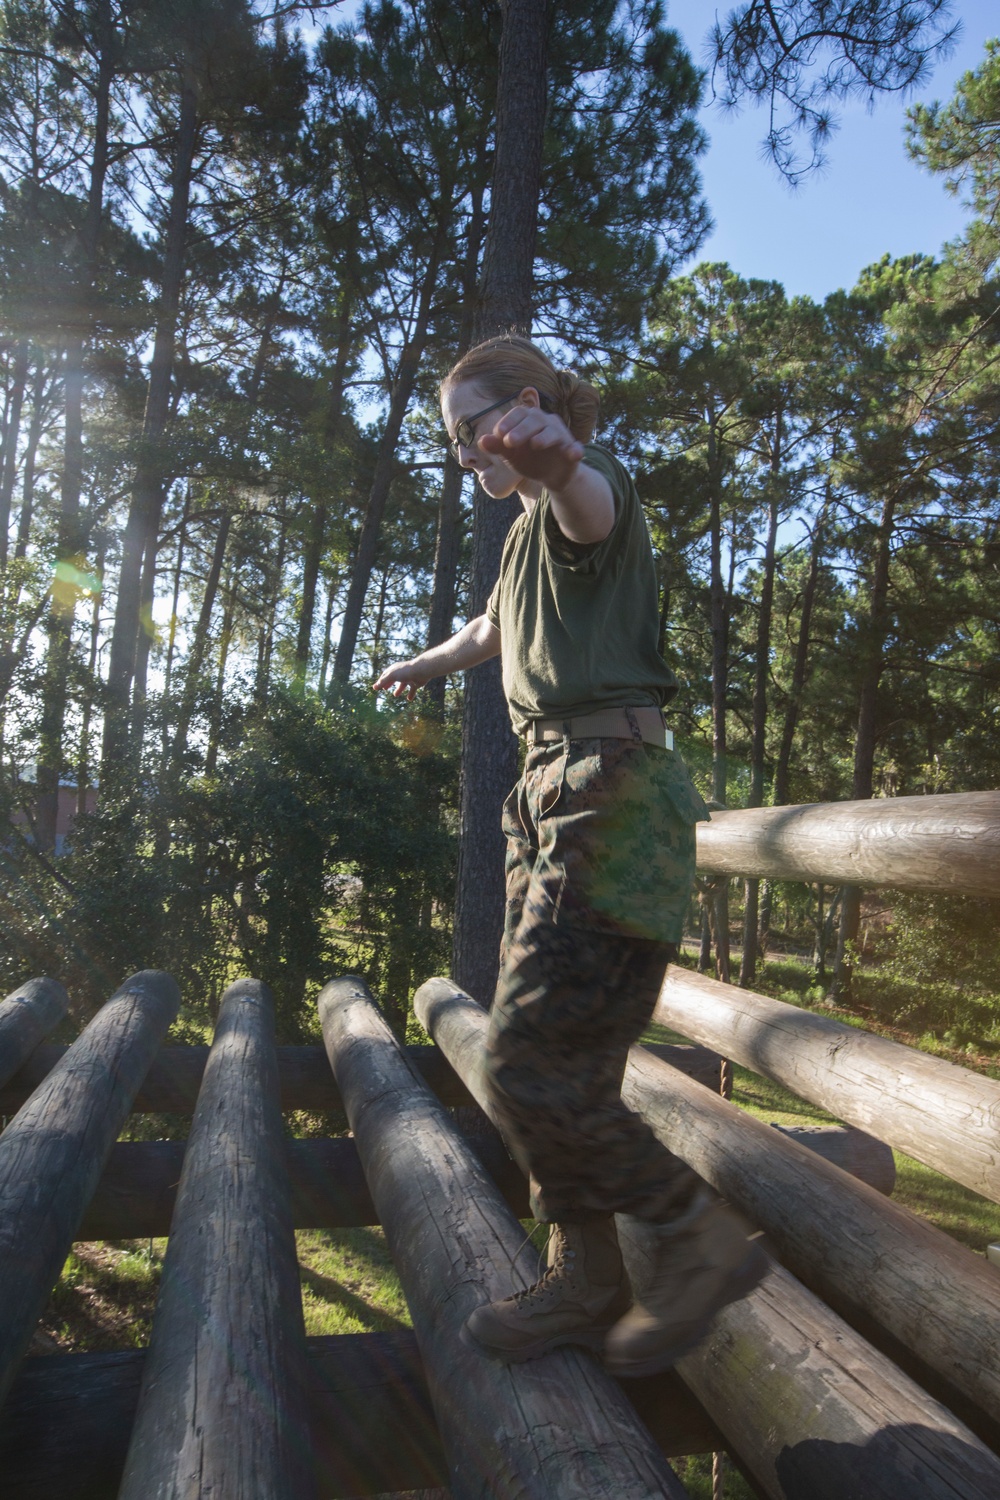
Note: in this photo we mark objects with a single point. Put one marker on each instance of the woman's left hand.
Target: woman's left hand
(536, 444)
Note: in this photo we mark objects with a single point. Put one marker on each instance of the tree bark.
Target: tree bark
(402, 390)
(793, 707)
(873, 664)
(489, 748)
(762, 665)
(199, 641)
(147, 487)
(12, 433)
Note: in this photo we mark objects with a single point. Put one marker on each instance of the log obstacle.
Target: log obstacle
(781, 1374)
(943, 843)
(945, 1116)
(26, 1018)
(304, 1079)
(64, 1429)
(555, 1427)
(53, 1151)
(223, 1398)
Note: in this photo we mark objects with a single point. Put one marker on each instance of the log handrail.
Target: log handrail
(552, 1428)
(228, 1327)
(787, 1381)
(945, 1116)
(53, 1151)
(948, 843)
(26, 1017)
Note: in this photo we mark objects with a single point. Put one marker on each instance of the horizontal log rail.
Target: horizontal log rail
(64, 1429)
(53, 1151)
(808, 1405)
(947, 843)
(26, 1018)
(136, 1195)
(945, 1116)
(304, 1078)
(553, 1428)
(222, 1403)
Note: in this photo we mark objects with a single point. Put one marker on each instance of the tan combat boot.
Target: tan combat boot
(701, 1262)
(583, 1292)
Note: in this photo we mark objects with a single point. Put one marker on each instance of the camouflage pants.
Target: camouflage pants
(588, 935)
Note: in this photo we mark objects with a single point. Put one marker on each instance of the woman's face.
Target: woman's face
(460, 403)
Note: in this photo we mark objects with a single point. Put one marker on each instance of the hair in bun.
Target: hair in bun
(506, 364)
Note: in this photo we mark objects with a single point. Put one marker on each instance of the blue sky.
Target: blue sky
(869, 200)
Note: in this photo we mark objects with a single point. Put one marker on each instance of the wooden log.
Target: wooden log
(53, 1151)
(26, 1017)
(65, 1427)
(946, 1116)
(172, 1083)
(136, 1195)
(854, 1151)
(943, 843)
(805, 1402)
(223, 1393)
(555, 1427)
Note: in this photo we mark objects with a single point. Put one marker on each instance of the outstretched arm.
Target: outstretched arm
(477, 641)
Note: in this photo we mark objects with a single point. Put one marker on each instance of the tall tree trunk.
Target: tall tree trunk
(783, 763)
(442, 614)
(872, 667)
(83, 758)
(199, 641)
(758, 746)
(385, 464)
(719, 600)
(69, 541)
(148, 484)
(312, 553)
(174, 605)
(324, 665)
(262, 684)
(144, 644)
(30, 459)
(225, 638)
(489, 748)
(11, 437)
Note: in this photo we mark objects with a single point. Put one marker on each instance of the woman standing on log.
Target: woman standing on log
(600, 862)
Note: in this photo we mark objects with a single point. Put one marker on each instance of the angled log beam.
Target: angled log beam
(26, 1018)
(945, 1116)
(554, 1428)
(221, 1407)
(53, 1151)
(174, 1078)
(810, 1408)
(944, 843)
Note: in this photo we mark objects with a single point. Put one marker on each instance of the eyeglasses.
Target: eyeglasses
(465, 432)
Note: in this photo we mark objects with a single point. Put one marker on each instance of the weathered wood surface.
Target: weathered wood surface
(555, 1427)
(859, 1252)
(854, 1151)
(173, 1081)
(222, 1402)
(946, 843)
(946, 1116)
(135, 1197)
(64, 1430)
(53, 1152)
(808, 1405)
(26, 1018)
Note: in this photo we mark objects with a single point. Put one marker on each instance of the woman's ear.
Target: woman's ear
(529, 396)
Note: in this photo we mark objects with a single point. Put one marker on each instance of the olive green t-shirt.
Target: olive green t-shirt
(579, 623)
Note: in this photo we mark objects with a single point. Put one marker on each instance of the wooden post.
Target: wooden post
(26, 1016)
(555, 1427)
(64, 1429)
(53, 1151)
(942, 843)
(221, 1410)
(809, 1407)
(943, 1115)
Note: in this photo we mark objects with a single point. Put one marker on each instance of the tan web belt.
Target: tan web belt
(610, 724)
